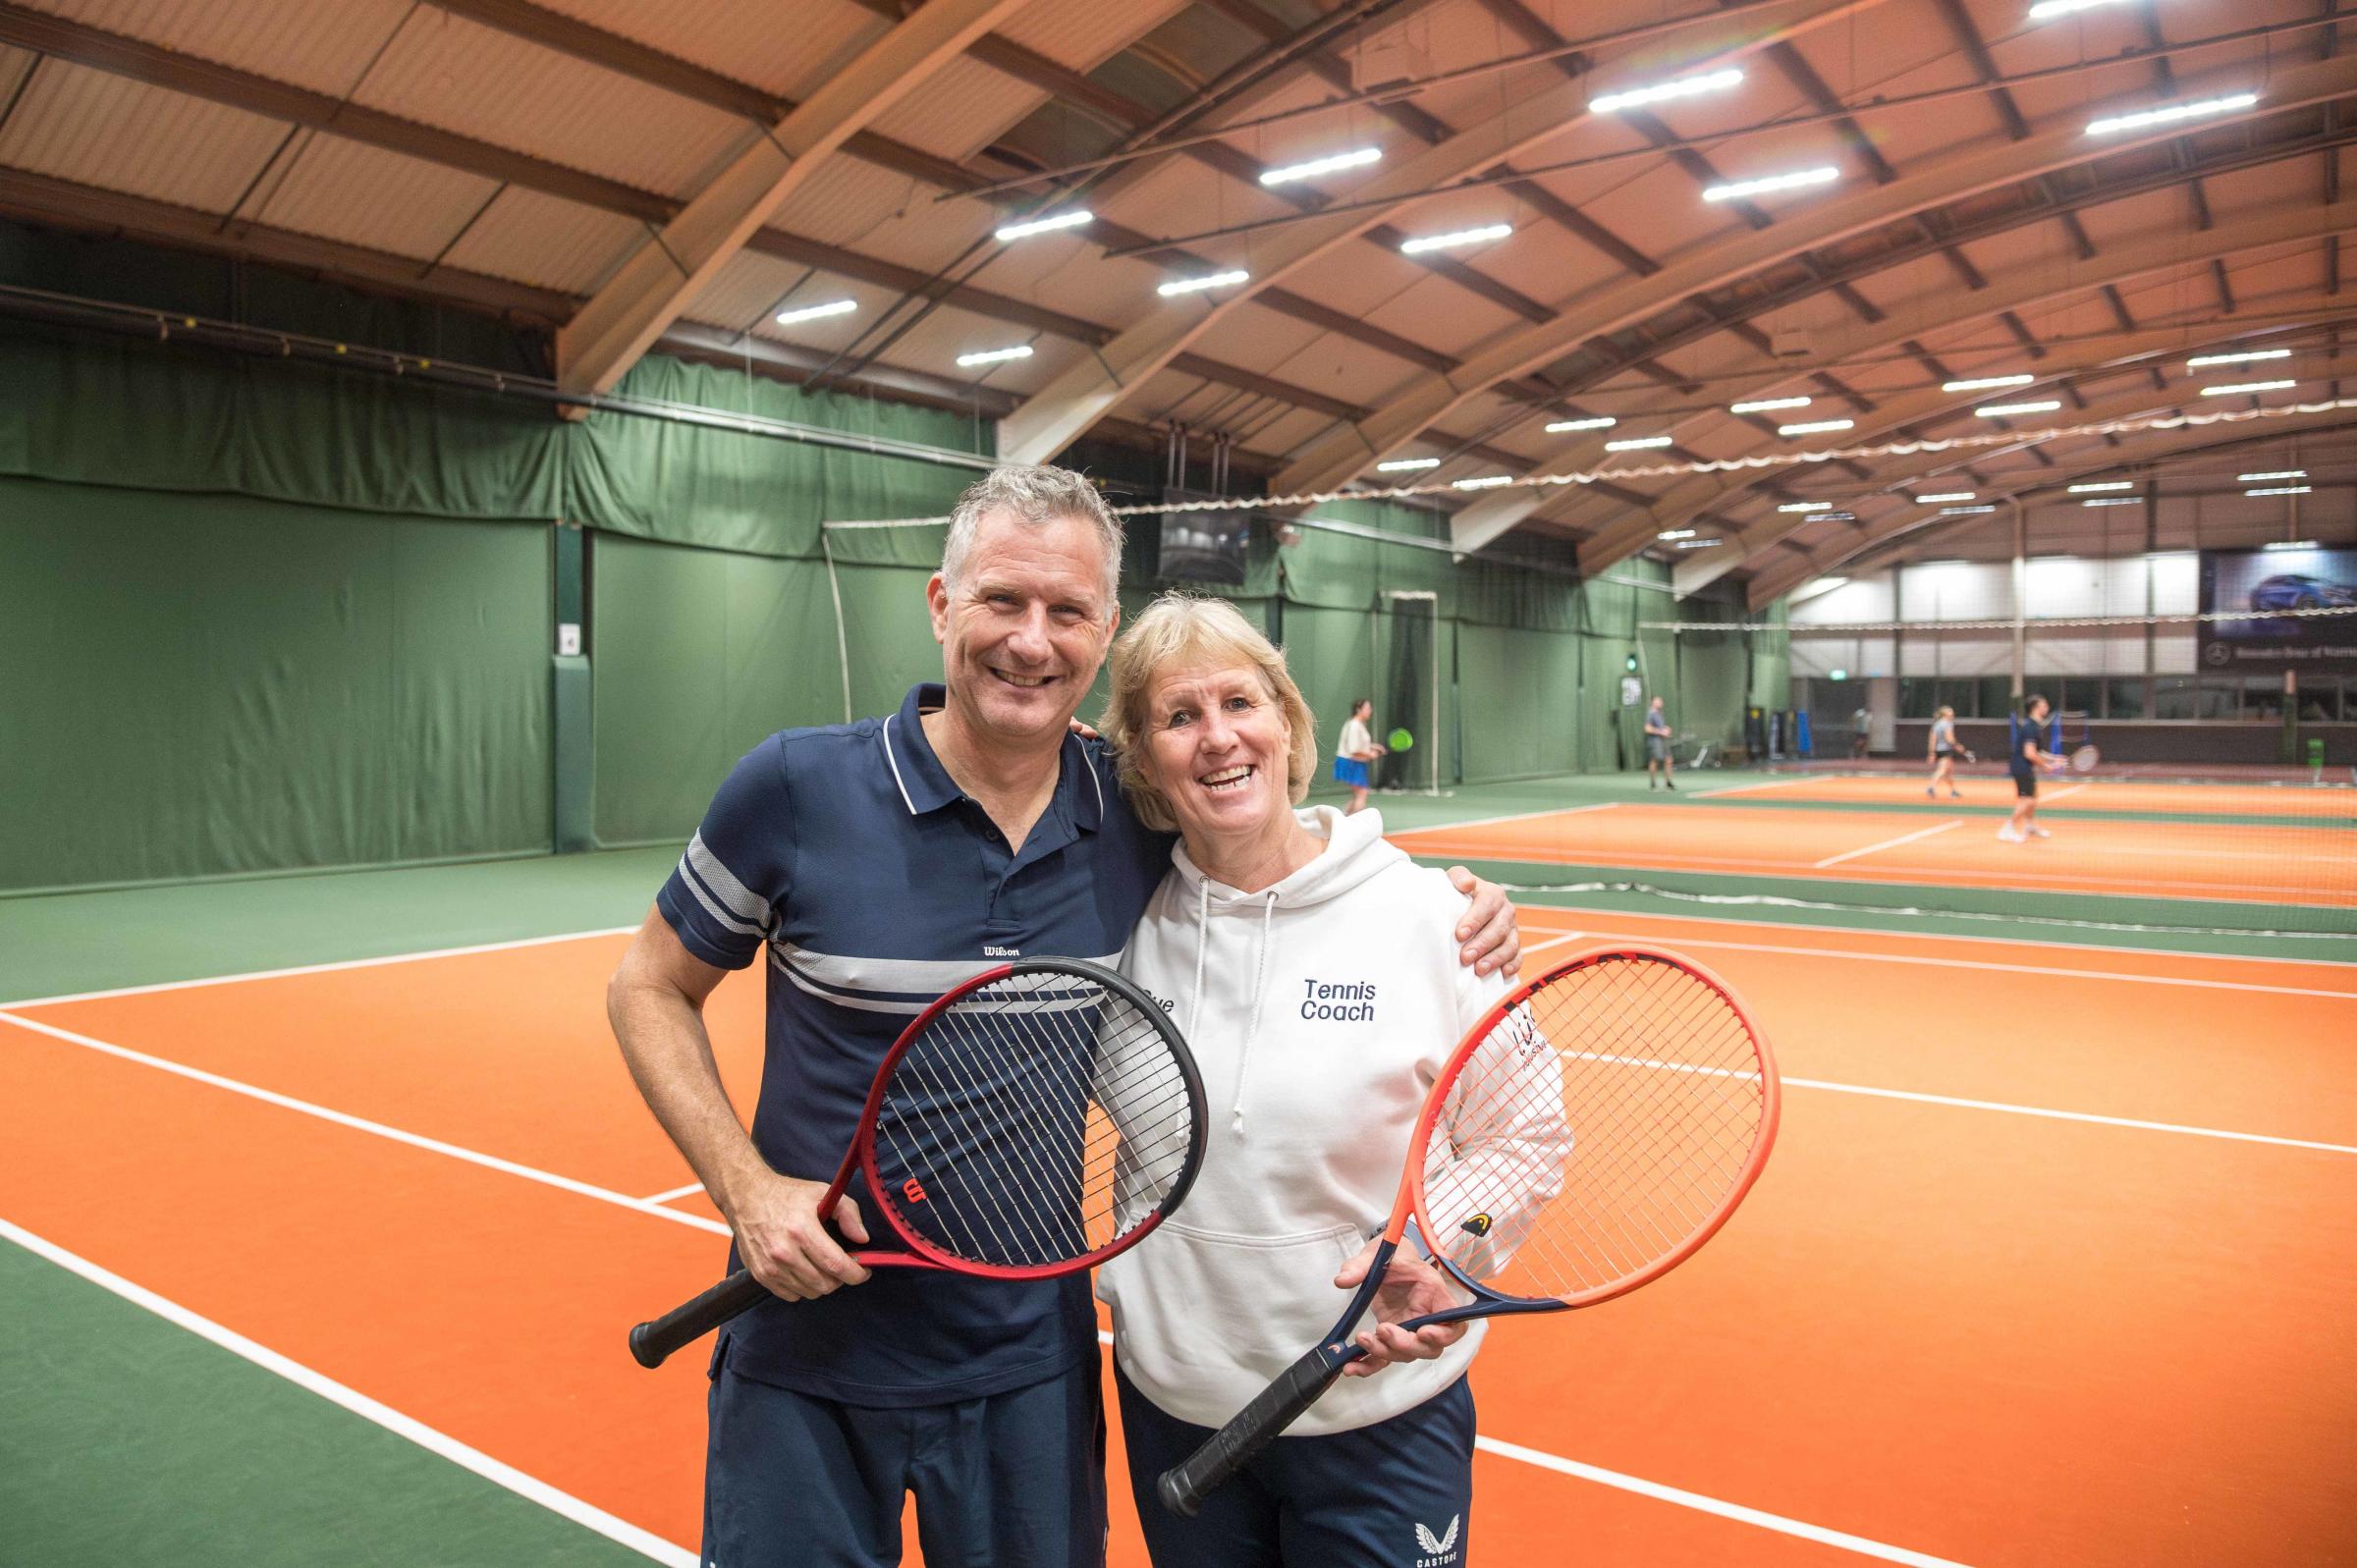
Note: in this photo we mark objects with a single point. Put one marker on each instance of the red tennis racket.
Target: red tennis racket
(1034, 1121)
(1588, 1134)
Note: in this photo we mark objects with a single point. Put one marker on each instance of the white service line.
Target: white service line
(675, 1193)
(1773, 784)
(529, 1487)
(1552, 942)
(1519, 816)
(324, 968)
(2067, 789)
(1888, 843)
(2070, 1116)
(340, 1118)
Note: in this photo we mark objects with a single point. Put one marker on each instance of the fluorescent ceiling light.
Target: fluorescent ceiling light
(1032, 226)
(1318, 166)
(991, 357)
(1635, 442)
(2282, 490)
(2049, 10)
(1985, 383)
(1964, 511)
(1764, 405)
(1678, 533)
(2201, 359)
(1463, 237)
(1834, 516)
(1404, 464)
(1806, 506)
(2240, 388)
(2262, 478)
(1603, 422)
(2171, 113)
(1947, 495)
(2006, 410)
(1218, 280)
(833, 307)
(1662, 91)
(1794, 181)
(1700, 544)
(1488, 481)
(2107, 484)
(1816, 427)
(2292, 544)
(2115, 501)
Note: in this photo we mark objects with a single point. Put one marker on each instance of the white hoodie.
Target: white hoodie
(1320, 1012)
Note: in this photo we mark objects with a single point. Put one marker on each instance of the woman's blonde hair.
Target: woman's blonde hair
(1944, 713)
(1181, 628)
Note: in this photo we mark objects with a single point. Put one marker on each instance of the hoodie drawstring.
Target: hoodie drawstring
(1260, 979)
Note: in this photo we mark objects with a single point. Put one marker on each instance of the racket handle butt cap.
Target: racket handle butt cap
(1184, 1487)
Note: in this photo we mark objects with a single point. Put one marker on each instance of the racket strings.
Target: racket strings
(1600, 1127)
(1033, 1121)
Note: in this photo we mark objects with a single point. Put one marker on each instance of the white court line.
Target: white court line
(529, 1487)
(379, 1129)
(1519, 816)
(2067, 789)
(323, 969)
(1552, 942)
(1888, 844)
(1773, 784)
(689, 1191)
(2071, 1116)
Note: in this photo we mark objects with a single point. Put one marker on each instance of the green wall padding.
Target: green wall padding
(217, 684)
(1520, 696)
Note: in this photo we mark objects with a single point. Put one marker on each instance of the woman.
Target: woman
(1314, 971)
(1354, 752)
(1944, 749)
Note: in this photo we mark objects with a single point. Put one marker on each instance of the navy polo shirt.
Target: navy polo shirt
(875, 884)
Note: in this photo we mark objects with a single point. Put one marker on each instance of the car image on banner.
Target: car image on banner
(2314, 579)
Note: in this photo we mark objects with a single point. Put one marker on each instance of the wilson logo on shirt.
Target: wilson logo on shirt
(1439, 1550)
(1339, 1001)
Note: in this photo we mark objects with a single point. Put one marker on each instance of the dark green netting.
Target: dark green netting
(202, 685)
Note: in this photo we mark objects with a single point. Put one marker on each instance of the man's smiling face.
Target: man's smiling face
(1025, 626)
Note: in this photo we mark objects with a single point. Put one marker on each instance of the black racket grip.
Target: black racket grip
(651, 1343)
(1182, 1487)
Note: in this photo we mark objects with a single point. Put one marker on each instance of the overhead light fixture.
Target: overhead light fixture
(1603, 422)
(2049, 10)
(2292, 544)
(1963, 511)
(2107, 484)
(1806, 506)
(1662, 92)
(1678, 533)
(1032, 226)
(992, 356)
(1218, 280)
(1447, 242)
(1985, 383)
(1488, 481)
(2198, 361)
(1816, 427)
(1834, 516)
(1766, 404)
(1318, 166)
(1406, 464)
(1700, 544)
(2006, 410)
(2262, 478)
(1635, 442)
(1947, 495)
(833, 307)
(2243, 388)
(2169, 114)
(2281, 490)
(2115, 501)
(1796, 181)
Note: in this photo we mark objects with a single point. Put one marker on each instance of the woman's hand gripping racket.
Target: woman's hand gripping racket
(1591, 1132)
(1035, 1121)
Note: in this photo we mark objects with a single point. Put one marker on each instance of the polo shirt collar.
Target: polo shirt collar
(926, 785)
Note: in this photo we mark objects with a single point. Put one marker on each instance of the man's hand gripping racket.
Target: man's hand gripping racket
(1586, 1137)
(1037, 1120)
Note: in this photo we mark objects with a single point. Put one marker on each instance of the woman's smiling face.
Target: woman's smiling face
(1217, 746)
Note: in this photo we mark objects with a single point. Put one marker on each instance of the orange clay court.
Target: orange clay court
(2050, 1263)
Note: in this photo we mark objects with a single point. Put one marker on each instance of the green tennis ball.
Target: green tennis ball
(1401, 740)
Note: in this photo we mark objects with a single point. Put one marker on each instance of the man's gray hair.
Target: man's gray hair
(1038, 495)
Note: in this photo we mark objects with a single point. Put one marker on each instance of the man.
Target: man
(1861, 732)
(2028, 752)
(880, 863)
(1657, 747)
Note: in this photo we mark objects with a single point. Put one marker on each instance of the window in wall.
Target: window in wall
(2082, 694)
(2263, 697)
(1962, 695)
(2172, 696)
(1918, 698)
(2319, 699)
(2216, 698)
(1996, 696)
(2123, 697)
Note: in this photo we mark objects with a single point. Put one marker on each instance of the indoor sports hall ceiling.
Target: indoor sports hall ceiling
(1960, 189)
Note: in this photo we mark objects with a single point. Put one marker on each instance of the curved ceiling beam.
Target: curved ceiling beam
(2028, 289)
(1344, 453)
(624, 317)
(1786, 575)
(1068, 405)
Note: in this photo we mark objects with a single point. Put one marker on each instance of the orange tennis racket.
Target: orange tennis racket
(1591, 1132)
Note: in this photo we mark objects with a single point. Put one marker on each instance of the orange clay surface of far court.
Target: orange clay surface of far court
(2073, 1292)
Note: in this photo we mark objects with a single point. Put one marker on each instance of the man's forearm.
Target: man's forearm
(670, 1057)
